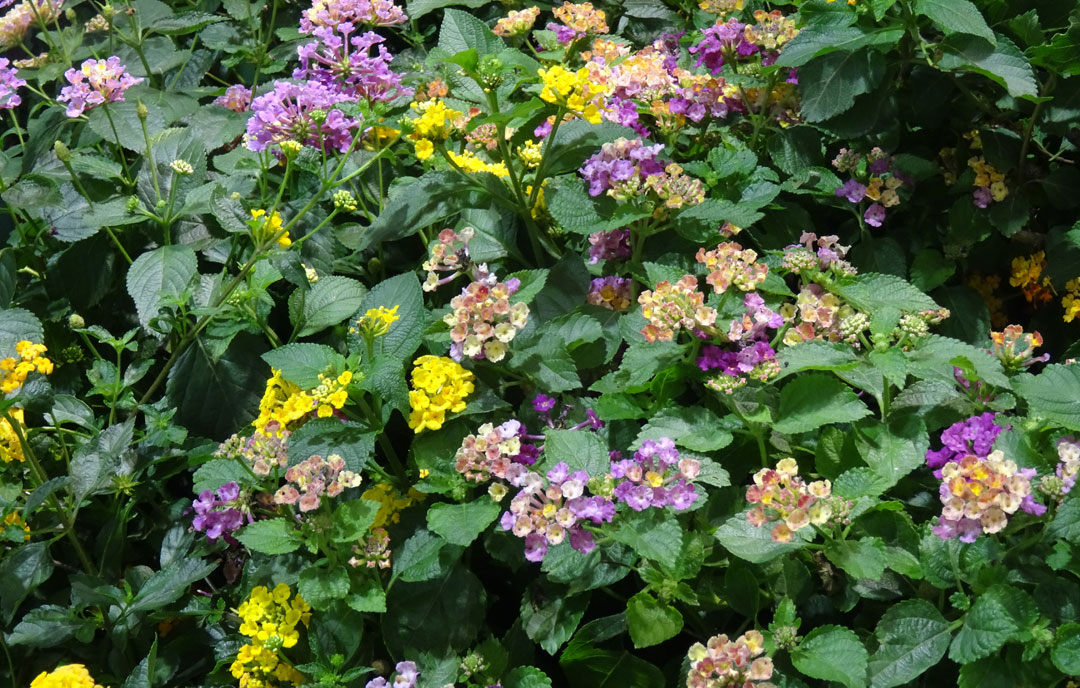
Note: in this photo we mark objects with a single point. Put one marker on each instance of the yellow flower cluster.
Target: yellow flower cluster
(517, 22)
(439, 386)
(376, 322)
(721, 7)
(987, 175)
(13, 519)
(1071, 301)
(468, 162)
(13, 371)
(1027, 274)
(269, 618)
(530, 153)
(271, 226)
(575, 90)
(283, 402)
(434, 124)
(583, 18)
(10, 448)
(67, 676)
(391, 502)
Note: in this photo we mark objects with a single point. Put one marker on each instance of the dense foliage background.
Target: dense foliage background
(636, 343)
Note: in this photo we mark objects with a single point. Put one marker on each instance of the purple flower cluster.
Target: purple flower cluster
(656, 477)
(9, 83)
(545, 512)
(973, 436)
(612, 292)
(755, 322)
(882, 182)
(407, 676)
(701, 99)
(735, 363)
(217, 515)
(611, 245)
(330, 13)
(236, 98)
(343, 62)
(720, 42)
(621, 161)
(94, 83)
(301, 113)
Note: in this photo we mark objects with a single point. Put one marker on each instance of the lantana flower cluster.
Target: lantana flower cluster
(673, 307)
(875, 178)
(407, 677)
(1016, 348)
(449, 254)
(610, 245)
(270, 620)
(574, 90)
(29, 358)
(66, 676)
(265, 227)
(1070, 301)
(331, 13)
(1027, 273)
(482, 321)
(821, 314)
(655, 477)
(780, 495)
(440, 386)
(724, 662)
(517, 22)
(264, 453)
(375, 552)
(236, 98)
(613, 293)
(17, 22)
(490, 451)
(94, 83)
(284, 402)
(343, 61)
(10, 447)
(434, 124)
(973, 436)
(979, 495)
(16, 523)
(9, 84)
(313, 478)
(218, 513)
(1064, 479)
(303, 113)
(577, 21)
(730, 265)
(818, 254)
(628, 170)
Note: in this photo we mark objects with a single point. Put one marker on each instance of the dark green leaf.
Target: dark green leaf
(832, 653)
(812, 400)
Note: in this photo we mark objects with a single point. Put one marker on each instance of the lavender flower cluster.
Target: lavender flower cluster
(655, 477)
(218, 513)
(974, 436)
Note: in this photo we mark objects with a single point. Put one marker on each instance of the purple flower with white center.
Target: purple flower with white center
(9, 83)
(236, 98)
(655, 477)
(301, 113)
(851, 190)
(543, 403)
(620, 161)
(874, 215)
(563, 33)
(975, 436)
(218, 515)
(343, 62)
(756, 322)
(725, 40)
(407, 677)
(94, 83)
(611, 245)
(330, 13)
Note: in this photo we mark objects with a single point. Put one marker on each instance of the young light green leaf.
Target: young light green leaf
(460, 524)
(651, 622)
(273, 536)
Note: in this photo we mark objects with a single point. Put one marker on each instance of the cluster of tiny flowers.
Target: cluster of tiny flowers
(974, 436)
(96, 23)
(269, 618)
(882, 181)
(672, 307)
(14, 521)
(9, 83)
(577, 21)
(29, 358)
(375, 553)
(574, 90)
(729, 264)
(721, 7)
(284, 402)
(302, 113)
(1016, 348)
(736, 663)
(771, 31)
(218, 513)
(434, 124)
(330, 13)
(375, 322)
(989, 183)
(612, 293)
(440, 386)
(723, 41)
(627, 170)
(756, 360)
(264, 453)
(407, 676)
(482, 321)
(314, 477)
(1061, 483)
(343, 62)
(1027, 273)
(449, 254)
(545, 512)
(467, 161)
(655, 477)
(978, 496)
(236, 98)
(10, 447)
(821, 315)
(490, 452)
(781, 495)
(67, 676)
(610, 245)
(1071, 300)
(814, 253)
(94, 83)
(516, 23)
(265, 227)
(391, 502)
(15, 24)
(695, 97)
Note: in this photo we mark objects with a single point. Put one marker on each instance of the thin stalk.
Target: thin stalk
(18, 130)
(150, 158)
(116, 136)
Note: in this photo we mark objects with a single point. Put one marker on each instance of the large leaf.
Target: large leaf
(16, 325)
(1066, 523)
(832, 653)
(653, 534)
(818, 40)
(170, 583)
(1000, 614)
(23, 569)
(754, 544)
(651, 622)
(275, 536)
(426, 201)
(581, 450)
(461, 31)
(158, 278)
(1053, 394)
(873, 292)
(1004, 64)
(550, 621)
(437, 615)
(815, 355)
(810, 401)
(912, 637)
(328, 302)
(695, 427)
(576, 212)
(460, 524)
(955, 16)
(830, 83)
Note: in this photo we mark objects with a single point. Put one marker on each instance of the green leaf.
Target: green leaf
(550, 623)
(185, 22)
(812, 400)
(863, 558)
(1066, 652)
(423, 557)
(912, 637)
(328, 302)
(23, 569)
(955, 16)
(460, 524)
(576, 212)
(409, 206)
(302, 363)
(1066, 523)
(653, 534)
(1000, 614)
(16, 325)
(819, 40)
(326, 436)
(815, 355)
(1005, 64)
(216, 472)
(930, 269)
(526, 677)
(158, 278)
(1053, 394)
(353, 519)
(832, 653)
(275, 536)
(936, 355)
(829, 83)
(874, 292)
(321, 587)
(436, 615)
(47, 626)
(895, 450)
(754, 544)
(95, 463)
(694, 427)
(581, 450)
(214, 398)
(651, 622)
(170, 583)
(462, 31)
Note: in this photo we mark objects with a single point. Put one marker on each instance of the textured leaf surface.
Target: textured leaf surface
(912, 637)
(999, 615)
(810, 401)
(1053, 394)
(832, 653)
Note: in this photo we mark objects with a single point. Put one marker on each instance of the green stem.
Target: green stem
(150, 158)
(116, 136)
(18, 131)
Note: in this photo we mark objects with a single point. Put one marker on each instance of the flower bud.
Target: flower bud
(132, 203)
(62, 152)
(70, 15)
(141, 111)
(76, 322)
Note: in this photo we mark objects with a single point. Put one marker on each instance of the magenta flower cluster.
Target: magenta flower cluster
(302, 113)
(720, 42)
(973, 436)
(611, 245)
(9, 83)
(407, 677)
(342, 61)
(236, 98)
(217, 513)
(330, 13)
(96, 82)
(655, 477)
(620, 162)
